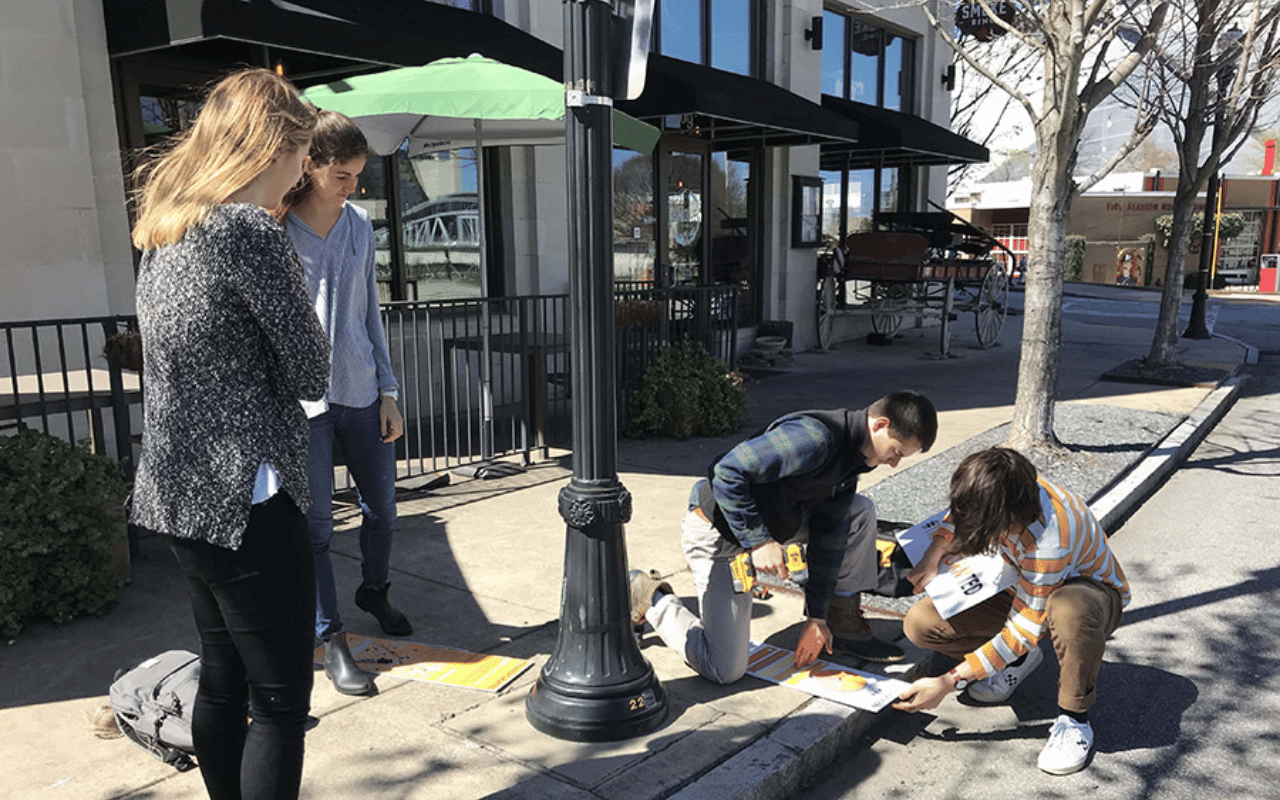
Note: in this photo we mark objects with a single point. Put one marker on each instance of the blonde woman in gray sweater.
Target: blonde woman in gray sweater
(231, 345)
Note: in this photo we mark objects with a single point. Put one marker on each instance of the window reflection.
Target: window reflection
(732, 261)
(634, 239)
(680, 30)
(889, 190)
(865, 46)
(165, 112)
(731, 35)
(861, 200)
(833, 53)
(371, 195)
(684, 218)
(440, 211)
(897, 74)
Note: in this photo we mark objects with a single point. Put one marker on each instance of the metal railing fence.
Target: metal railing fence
(479, 378)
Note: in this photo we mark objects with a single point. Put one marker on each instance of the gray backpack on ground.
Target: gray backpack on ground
(152, 704)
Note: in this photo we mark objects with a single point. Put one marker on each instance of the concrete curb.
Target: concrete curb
(1138, 484)
(776, 765)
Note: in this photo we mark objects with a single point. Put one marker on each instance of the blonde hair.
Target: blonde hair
(248, 119)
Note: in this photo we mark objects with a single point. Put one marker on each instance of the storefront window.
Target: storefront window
(732, 259)
(166, 113)
(861, 200)
(866, 46)
(833, 37)
(371, 195)
(879, 63)
(898, 76)
(680, 29)
(717, 33)
(731, 35)
(889, 189)
(634, 238)
(440, 225)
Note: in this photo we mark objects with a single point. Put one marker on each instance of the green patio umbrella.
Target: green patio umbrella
(447, 103)
(464, 102)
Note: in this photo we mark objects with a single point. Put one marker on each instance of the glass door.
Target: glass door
(683, 247)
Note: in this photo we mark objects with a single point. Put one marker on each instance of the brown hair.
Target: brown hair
(249, 118)
(991, 491)
(911, 415)
(336, 140)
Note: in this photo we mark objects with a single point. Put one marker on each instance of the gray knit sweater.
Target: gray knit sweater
(231, 344)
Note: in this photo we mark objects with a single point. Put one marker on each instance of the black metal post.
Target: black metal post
(1197, 325)
(596, 686)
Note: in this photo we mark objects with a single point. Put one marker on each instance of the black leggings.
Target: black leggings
(255, 610)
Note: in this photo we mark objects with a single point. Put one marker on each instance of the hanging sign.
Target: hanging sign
(972, 19)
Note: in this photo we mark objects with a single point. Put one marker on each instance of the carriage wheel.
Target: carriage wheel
(826, 311)
(993, 302)
(887, 304)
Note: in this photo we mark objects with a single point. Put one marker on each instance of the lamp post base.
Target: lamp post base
(596, 714)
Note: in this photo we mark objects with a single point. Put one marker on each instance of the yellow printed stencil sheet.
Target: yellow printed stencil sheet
(431, 664)
(851, 687)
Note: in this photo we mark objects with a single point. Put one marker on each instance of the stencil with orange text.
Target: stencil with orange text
(841, 684)
(431, 664)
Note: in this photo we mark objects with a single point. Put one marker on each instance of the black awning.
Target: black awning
(381, 32)
(894, 139)
(733, 111)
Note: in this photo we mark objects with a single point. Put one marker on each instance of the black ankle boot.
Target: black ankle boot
(389, 617)
(341, 668)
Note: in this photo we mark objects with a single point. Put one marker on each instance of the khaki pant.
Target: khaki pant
(1081, 614)
(717, 641)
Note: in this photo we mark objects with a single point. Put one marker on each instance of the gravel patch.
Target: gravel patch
(1101, 443)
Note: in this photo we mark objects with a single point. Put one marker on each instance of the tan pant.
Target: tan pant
(1081, 614)
(717, 641)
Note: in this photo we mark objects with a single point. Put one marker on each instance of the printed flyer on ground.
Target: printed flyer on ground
(851, 687)
(961, 583)
(431, 664)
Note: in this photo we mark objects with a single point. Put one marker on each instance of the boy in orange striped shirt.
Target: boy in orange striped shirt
(1069, 581)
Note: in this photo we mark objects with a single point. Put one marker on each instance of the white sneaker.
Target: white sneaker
(1068, 748)
(997, 688)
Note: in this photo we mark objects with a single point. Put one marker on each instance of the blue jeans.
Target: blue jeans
(372, 463)
(253, 609)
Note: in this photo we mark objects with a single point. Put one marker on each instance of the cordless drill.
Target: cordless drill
(744, 573)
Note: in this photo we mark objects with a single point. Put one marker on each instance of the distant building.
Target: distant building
(1117, 218)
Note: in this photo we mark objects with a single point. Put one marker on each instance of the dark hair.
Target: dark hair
(991, 491)
(911, 415)
(336, 139)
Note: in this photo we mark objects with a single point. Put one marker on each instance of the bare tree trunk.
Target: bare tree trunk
(1164, 343)
(1042, 322)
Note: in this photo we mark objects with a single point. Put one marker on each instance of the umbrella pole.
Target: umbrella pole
(596, 686)
(486, 355)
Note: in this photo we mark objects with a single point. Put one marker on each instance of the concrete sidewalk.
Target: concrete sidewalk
(478, 566)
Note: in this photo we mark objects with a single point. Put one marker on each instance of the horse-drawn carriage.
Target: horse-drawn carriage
(916, 262)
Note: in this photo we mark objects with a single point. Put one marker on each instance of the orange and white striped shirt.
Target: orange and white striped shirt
(1067, 542)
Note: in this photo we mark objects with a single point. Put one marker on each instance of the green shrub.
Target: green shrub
(1073, 258)
(687, 392)
(61, 515)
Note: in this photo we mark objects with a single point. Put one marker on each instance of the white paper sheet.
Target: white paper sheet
(842, 684)
(961, 583)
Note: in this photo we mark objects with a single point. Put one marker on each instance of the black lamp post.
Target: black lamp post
(596, 686)
(1229, 56)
